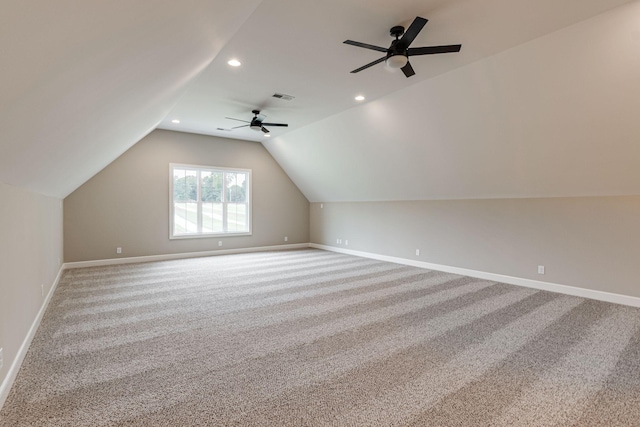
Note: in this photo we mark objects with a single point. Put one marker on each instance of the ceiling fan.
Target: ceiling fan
(397, 55)
(257, 123)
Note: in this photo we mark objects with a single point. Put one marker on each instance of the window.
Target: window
(209, 201)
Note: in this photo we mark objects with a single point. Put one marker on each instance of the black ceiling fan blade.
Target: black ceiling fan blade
(231, 118)
(366, 46)
(408, 70)
(243, 126)
(276, 124)
(413, 30)
(431, 50)
(370, 64)
(265, 130)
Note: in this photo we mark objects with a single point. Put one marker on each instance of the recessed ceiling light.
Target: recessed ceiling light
(234, 63)
(359, 98)
(176, 121)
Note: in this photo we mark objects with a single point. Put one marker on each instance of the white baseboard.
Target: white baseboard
(12, 373)
(165, 257)
(535, 284)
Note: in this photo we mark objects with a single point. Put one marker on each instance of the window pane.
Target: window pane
(185, 218)
(236, 187)
(184, 185)
(179, 218)
(192, 186)
(212, 218)
(211, 186)
(237, 217)
(179, 185)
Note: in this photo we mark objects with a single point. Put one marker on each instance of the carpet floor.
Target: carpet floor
(314, 338)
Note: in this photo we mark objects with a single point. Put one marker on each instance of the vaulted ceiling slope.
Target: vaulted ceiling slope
(557, 116)
(84, 81)
(539, 102)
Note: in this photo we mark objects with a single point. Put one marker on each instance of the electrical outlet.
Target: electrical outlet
(41, 289)
(118, 250)
(417, 252)
(541, 269)
(219, 242)
(321, 205)
(286, 239)
(1, 359)
(346, 243)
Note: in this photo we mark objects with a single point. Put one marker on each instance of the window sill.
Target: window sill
(208, 235)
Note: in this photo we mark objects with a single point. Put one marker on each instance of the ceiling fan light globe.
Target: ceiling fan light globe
(257, 128)
(396, 61)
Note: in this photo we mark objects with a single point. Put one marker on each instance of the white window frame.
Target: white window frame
(200, 234)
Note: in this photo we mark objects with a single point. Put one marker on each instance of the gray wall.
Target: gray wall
(589, 242)
(127, 204)
(30, 256)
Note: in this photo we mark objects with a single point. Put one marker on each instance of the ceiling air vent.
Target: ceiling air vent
(283, 96)
(228, 130)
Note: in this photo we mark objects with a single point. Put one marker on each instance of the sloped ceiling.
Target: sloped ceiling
(539, 102)
(82, 81)
(557, 116)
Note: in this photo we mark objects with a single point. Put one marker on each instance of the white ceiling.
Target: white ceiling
(296, 48)
(533, 105)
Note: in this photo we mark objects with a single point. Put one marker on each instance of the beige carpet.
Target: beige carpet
(313, 338)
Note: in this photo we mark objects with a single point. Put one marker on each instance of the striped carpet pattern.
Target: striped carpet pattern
(314, 338)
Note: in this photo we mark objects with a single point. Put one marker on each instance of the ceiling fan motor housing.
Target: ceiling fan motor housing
(255, 125)
(397, 53)
(397, 31)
